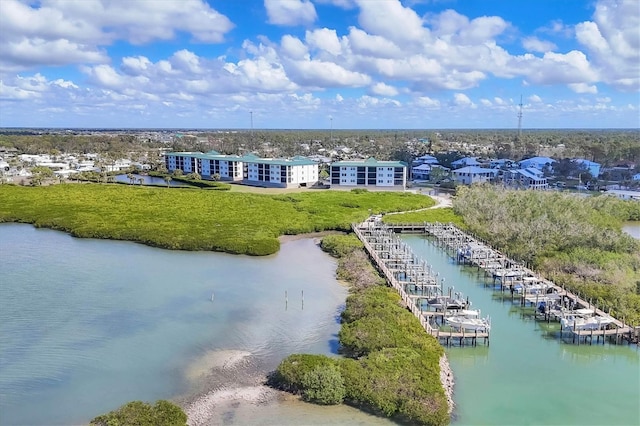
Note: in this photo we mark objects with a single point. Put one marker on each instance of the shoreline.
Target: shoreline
(447, 380)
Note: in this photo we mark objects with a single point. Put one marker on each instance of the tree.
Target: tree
(162, 413)
(131, 178)
(168, 180)
(437, 174)
(178, 173)
(140, 180)
(324, 175)
(216, 177)
(40, 174)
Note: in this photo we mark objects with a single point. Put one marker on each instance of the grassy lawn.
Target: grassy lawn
(193, 219)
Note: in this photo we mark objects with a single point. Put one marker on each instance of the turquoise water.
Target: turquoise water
(86, 325)
(528, 376)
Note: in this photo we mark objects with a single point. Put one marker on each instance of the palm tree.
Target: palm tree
(141, 181)
(168, 180)
(131, 178)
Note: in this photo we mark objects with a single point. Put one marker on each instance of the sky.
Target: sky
(320, 64)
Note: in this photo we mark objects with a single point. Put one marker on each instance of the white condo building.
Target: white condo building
(369, 173)
(248, 169)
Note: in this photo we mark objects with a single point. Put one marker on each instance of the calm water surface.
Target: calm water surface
(528, 376)
(149, 180)
(86, 325)
(632, 228)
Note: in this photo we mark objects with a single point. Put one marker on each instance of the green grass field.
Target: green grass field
(194, 219)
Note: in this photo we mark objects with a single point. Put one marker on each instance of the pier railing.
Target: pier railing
(393, 257)
(474, 251)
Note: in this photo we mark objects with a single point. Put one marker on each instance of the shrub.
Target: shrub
(340, 245)
(163, 413)
(323, 385)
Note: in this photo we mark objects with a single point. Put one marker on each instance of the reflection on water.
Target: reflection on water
(148, 180)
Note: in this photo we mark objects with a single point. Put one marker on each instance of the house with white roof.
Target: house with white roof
(529, 178)
(464, 162)
(536, 162)
(369, 173)
(426, 159)
(473, 174)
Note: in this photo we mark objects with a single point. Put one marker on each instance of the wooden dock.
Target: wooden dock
(402, 271)
(467, 249)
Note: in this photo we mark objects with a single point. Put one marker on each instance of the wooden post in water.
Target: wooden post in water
(303, 300)
(286, 300)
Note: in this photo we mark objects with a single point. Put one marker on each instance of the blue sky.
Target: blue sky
(386, 64)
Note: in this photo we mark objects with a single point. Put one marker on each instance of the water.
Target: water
(632, 228)
(149, 180)
(528, 376)
(86, 325)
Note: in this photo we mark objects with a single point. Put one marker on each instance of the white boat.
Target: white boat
(584, 319)
(466, 323)
(442, 302)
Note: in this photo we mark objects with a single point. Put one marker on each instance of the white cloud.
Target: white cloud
(290, 12)
(612, 41)
(485, 102)
(535, 99)
(460, 99)
(427, 102)
(534, 44)
(382, 89)
(583, 88)
(293, 47)
(58, 32)
(324, 39)
(392, 21)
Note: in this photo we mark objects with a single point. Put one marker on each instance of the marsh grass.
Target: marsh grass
(194, 219)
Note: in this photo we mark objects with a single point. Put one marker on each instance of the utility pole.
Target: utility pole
(330, 129)
(520, 120)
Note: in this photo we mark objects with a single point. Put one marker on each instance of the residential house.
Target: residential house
(464, 162)
(536, 162)
(473, 174)
(529, 178)
(425, 159)
(369, 173)
(592, 167)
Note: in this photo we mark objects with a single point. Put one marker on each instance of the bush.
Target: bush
(323, 385)
(340, 245)
(138, 413)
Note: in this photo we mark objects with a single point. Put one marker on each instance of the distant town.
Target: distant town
(576, 160)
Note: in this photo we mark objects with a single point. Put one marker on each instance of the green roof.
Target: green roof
(369, 162)
(295, 161)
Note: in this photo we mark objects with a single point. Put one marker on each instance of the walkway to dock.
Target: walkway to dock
(510, 274)
(412, 278)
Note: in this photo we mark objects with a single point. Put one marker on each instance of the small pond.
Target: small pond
(148, 180)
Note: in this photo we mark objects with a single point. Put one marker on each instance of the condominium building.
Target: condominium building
(248, 169)
(369, 173)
